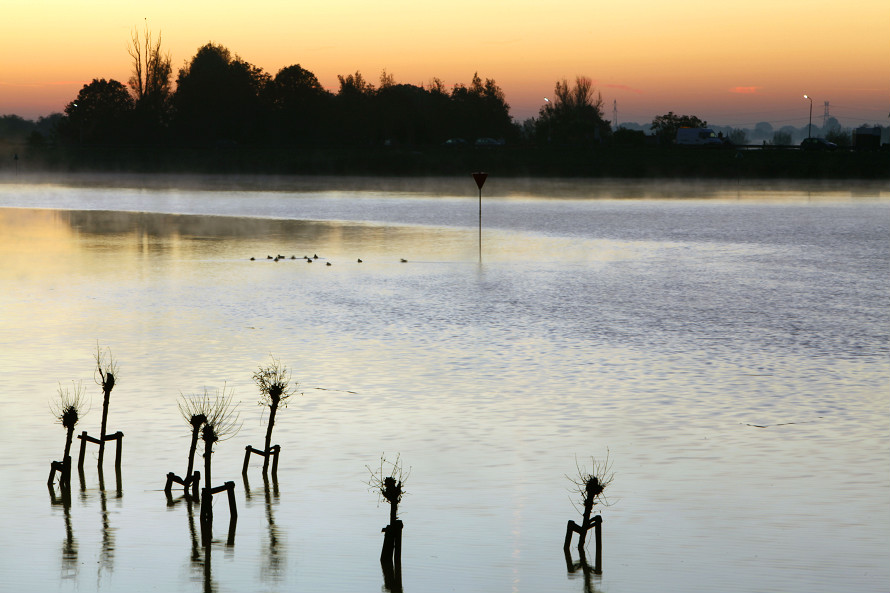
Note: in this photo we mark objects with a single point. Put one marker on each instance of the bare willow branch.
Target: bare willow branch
(106, 369)
(274, 382)
(220, 414)
(388, 480)
(591, 484)
(69, 406)
(195, 408)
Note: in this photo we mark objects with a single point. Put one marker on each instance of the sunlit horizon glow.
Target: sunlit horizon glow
(734, 64)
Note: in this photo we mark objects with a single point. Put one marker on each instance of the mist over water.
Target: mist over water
(729, 350)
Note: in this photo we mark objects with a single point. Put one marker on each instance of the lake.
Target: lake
(726, 347)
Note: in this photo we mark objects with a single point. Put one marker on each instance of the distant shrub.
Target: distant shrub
(838, 136)
(625, 137)
(781, 138)
(738, 136)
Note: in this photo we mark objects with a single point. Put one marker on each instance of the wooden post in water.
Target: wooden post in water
(598, 538)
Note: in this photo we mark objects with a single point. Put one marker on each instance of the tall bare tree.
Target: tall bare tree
(152, 69)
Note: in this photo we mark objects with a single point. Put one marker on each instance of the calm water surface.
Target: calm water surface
(728, 348)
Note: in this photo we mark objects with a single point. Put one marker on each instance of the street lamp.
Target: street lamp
(810, 127)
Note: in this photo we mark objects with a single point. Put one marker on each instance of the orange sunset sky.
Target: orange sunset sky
(731, 63)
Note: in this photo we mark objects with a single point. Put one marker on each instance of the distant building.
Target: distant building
(867, 137)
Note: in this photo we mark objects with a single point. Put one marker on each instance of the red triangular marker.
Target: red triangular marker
(480, 179)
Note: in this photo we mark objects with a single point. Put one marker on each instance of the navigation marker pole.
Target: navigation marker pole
(480, 181)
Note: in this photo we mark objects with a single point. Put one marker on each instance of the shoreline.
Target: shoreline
(600, 162)
(446, 185)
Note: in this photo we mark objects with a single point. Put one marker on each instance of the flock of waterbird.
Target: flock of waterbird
(308, 259)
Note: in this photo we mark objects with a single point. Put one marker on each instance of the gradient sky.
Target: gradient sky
(731, 63)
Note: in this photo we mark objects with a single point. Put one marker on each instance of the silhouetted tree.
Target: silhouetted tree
(101, 113)
(574, 117)
(218, 98)
(15, 128)
(405, 114)
(353, 105)
(299, 106)
(437, 87)
(480, 110)
(386, 79)
(354, 84)
(150, 83)
(665, 126)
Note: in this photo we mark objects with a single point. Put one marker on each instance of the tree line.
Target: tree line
(219, 99)
(161, 120)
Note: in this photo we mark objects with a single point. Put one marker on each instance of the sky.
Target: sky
(730, 63)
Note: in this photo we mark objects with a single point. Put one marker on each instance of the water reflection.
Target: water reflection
(592, 574)
(141, 235)
(273, 558)
(668, 351)
(216, 228)
(106, 557)
(69, 564)
(200, 556)
(201, 549)
(392, 576)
